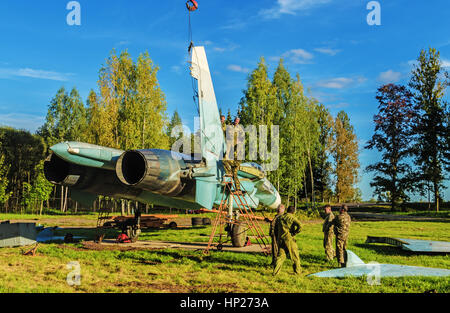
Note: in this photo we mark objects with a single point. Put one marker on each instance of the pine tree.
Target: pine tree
(229, 118)
(428, 83)
(174, 121)
(321, 164)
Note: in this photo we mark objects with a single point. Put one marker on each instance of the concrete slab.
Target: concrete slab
(425, 246)
(17, 234)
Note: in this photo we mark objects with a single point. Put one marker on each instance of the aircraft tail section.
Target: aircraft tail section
(353, 259)
(212, 139)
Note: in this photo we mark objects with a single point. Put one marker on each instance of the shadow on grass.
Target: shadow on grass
(391, 250)
(223, 260)
(384, 249)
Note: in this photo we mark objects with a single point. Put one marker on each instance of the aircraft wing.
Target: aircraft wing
(357, 268)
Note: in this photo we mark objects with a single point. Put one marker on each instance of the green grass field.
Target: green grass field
(171, 270)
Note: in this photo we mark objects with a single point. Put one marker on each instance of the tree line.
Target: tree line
(318, 159)
(128, 111)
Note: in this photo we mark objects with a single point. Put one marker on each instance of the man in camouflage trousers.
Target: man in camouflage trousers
(286, 227)
(328, 233)
(341, 229)
(232, 164)
(280, 212)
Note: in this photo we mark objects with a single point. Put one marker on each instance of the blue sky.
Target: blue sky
(340, 58)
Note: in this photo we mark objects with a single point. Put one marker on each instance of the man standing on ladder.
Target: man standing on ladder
(232, 164)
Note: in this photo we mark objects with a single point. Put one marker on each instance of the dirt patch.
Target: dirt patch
(89, 245)
(62, 221)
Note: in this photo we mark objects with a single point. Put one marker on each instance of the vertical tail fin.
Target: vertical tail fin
(212, 139)
(353, 259)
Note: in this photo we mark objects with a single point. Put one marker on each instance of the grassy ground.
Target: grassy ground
(189, 271)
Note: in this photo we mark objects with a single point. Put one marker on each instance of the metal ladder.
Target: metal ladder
(238, 197)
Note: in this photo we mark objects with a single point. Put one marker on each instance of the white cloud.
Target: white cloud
(389, 77)
(123, 43)
(32, 73)
(327, 51)
(291, 7)
(220, 48)
(175, 69)
(22, 121)
(238, 68)
(207, 43)
(341, 82)
(339, 105)
(336, 83)
(297, 56)
(235, 24)
(445, 63)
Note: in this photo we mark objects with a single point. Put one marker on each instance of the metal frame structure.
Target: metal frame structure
(226, 222)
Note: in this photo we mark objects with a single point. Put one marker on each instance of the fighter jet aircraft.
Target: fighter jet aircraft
(161, 177)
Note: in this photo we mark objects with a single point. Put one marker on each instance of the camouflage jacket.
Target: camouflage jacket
(328, 223)
(286, 226)
(238, 139)
(272, 225)
(342, 225)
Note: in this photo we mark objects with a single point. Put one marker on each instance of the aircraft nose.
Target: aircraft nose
(60, 148)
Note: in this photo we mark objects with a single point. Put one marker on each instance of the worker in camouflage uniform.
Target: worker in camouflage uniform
(286, 227)
(328, 233)
(280, 212)
(232, 164)
(341, 229)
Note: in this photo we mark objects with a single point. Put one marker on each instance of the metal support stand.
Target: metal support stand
(232, 195)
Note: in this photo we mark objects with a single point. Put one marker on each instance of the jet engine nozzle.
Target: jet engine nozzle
(151, 170)
(60, 172)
